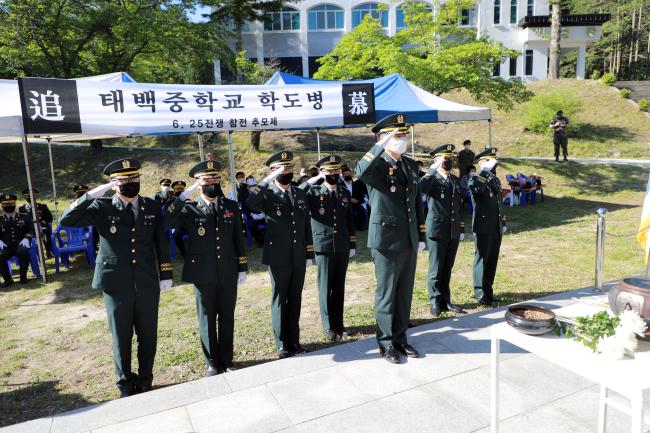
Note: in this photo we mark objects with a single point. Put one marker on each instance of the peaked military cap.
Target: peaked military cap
(26, 191)
(165, 182)
(281, 158)
(179, 184)
(127, 167)
(79, 188)
(389, 123)
(330, 162)
(8, 199)
(205, 168)
(444, 150)
(489, 153)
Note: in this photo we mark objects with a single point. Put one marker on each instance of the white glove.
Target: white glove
(490, 164)
(382, 143)
(100, 190)
(462, 236)
(165, 285)
(25, 243)
(504, 229)
(315, 179)
(241, 278)
(189, 191)
(437, 164)
(2, 245)
(274, 174)
(353, 252)
(420, 247)
(308, 263)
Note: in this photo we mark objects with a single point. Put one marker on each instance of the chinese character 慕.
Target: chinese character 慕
(358, 105)
(46, 106)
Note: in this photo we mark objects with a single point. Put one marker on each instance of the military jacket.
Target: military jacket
(488, 216)
(12, 231)
(444, 198)
(288, 237)
(332, 224)
(42, 211)
(163, 197)
(216, 245)
(133, 255)
(397, 218)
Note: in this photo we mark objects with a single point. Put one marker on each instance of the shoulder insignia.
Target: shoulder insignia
(368, 156)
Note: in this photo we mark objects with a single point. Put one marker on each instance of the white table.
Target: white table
(628, 377)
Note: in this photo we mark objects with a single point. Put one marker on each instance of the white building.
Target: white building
(304, 31)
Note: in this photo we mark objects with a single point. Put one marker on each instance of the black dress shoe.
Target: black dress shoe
(455, 309)
(485, 301)
(436, 311)
(127, 390)
(24, 281)
(347, 333)
(495, 301)
(408, 350)
(390, 354)
(282, 353)
(7, 283)
(330, 335)
(145, 387)
(211, 371)
(297, 349)
(411, 324)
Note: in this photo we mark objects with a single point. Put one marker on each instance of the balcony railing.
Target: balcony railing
(565, 20)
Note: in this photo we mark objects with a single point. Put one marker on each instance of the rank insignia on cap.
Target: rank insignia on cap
(400, 118)
(126, 164)
(332, 158)
(210, 164)
(284, 155)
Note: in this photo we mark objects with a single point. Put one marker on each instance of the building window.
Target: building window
(369, 8)
(513, 67)
(286, 19)
(529, 62)
(325, 17)
(497, 12)
(513, 11)
(464, 17)
(399, 17)
(496, 71)
(530, 8)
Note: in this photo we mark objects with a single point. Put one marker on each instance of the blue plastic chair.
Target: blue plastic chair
(33, 260)
(528, 190)
(75, 239)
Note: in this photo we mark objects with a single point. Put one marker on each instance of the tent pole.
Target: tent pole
(231, 163)
(200, 138)
(56, 203)
(37, 225)
(413, 141)
(489, 133)
(318, 141)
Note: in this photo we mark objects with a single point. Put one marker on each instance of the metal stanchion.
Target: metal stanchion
(600, 248)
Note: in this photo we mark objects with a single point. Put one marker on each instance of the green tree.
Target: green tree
(433, 52)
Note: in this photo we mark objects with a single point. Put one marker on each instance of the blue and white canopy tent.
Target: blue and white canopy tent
(395, 94)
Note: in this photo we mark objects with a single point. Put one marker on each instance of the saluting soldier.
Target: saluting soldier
(16, 232)
(288, 248)
(332, 227)
(216, 261)
(396, 232)
(44, 217)
(444, 227)
(488, 225)
(178, 187)
(164, 195)
(132, 267)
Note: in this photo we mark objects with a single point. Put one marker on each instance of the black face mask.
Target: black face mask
(130, 189)
(348, 178)
(332, 179)
(9, 209)
(285, 179)
(212, 191)
(447, 164)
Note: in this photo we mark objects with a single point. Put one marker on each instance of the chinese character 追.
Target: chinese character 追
(46, 106)
(268, 99)
(317, 98)
(145, 99)
(175, 99)
(292, 102)
(113, 98)
(358, 105)
(233, 101)
(205, 99)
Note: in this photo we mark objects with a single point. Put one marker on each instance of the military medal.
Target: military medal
(491, 195)
(113, 229)
(442, 195)
(393, 188)
(279, 212)
(201, 231)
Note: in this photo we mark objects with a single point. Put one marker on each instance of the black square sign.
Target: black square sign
(49, 106)
(358, 104)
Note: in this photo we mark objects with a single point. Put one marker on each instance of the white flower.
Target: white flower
(611, 347)
(631, 321)
(627, 338)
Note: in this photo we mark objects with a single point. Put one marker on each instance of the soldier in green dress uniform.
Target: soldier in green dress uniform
(165, 193)
(396, 232)
(332, 227)
(288, 247)
(45, 218)
(16, 233)
(444, 227)
(215, 263)
(132, 267)
(488, 224)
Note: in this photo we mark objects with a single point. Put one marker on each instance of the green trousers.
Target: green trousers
(442, 255)
(486, 256)
(215, 307)
(286, 284)
(395, 273)
(332, 268)
(128, 311)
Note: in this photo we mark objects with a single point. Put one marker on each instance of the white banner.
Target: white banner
(53, 106)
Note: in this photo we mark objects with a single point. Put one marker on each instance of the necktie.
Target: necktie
(213, 209)
(287, 197)
(400, 169)
(129, 210)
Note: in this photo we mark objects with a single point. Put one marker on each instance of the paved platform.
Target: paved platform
(348, 388)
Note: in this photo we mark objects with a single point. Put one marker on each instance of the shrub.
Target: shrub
(625, 93)
(608, 79)
(595, 74)
(644, 105)
(542, 108)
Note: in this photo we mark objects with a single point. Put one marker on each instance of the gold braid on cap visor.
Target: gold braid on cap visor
(125, 175)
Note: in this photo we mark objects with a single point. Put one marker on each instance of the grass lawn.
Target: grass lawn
(55, 346)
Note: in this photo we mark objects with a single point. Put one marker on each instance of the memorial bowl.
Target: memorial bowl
(631, 294)
(530, 319)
